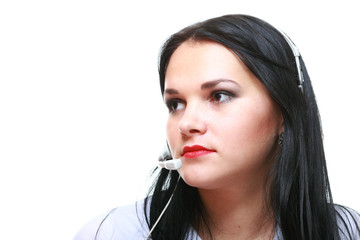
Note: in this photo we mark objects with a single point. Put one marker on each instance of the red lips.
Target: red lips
(196, 151)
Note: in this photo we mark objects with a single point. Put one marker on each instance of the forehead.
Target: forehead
(196, 54)
(200, 61)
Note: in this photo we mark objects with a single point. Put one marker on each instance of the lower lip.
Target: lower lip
(196, 154)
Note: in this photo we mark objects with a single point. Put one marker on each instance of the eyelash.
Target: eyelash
(170, 104)
(228, 95)
(214, 98)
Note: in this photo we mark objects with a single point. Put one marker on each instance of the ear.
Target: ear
(281, 124)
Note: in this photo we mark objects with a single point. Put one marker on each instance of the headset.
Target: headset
(175, 164)
(297, 56)
(166, 161)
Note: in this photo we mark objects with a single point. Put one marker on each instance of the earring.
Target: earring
(281, 139)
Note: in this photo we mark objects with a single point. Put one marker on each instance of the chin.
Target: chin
(199, 178)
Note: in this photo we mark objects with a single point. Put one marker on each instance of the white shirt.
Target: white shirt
(128, 223)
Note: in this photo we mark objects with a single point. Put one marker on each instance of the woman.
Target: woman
(244, 122)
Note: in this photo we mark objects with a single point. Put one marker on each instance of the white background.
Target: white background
(81, 115)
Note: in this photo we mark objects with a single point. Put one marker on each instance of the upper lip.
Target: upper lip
(195, 148)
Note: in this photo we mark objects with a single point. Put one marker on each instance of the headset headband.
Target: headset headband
(297, 55)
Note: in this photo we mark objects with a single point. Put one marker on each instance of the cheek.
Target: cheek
(171, 133)
(250, 133)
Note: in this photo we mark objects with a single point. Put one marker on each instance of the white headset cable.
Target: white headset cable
(163, 211)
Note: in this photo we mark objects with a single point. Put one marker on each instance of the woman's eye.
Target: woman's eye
(219, 97)
(174, 105)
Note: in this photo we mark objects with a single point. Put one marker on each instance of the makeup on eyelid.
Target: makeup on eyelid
(216, 97)
(211, 89)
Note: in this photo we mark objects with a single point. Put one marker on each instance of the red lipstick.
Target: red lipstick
(196, 151)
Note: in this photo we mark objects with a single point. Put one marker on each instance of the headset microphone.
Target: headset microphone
(173, 164)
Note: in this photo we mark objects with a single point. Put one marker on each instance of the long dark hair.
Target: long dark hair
(300, 194)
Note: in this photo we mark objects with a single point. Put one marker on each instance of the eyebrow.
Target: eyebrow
(213, 83)
(171, 91)
(206, 85)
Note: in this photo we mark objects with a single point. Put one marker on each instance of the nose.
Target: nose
(192, 121)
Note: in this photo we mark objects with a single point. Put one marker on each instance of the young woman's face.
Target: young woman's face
(222, 123)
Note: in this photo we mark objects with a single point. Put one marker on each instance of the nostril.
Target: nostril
(191, 129)
(194, 131)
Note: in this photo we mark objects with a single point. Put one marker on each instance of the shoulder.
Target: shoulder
(348, 221)
(126, 222)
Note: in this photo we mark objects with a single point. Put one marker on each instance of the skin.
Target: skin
(216, 102)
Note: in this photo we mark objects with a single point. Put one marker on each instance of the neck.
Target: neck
(239, 212)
